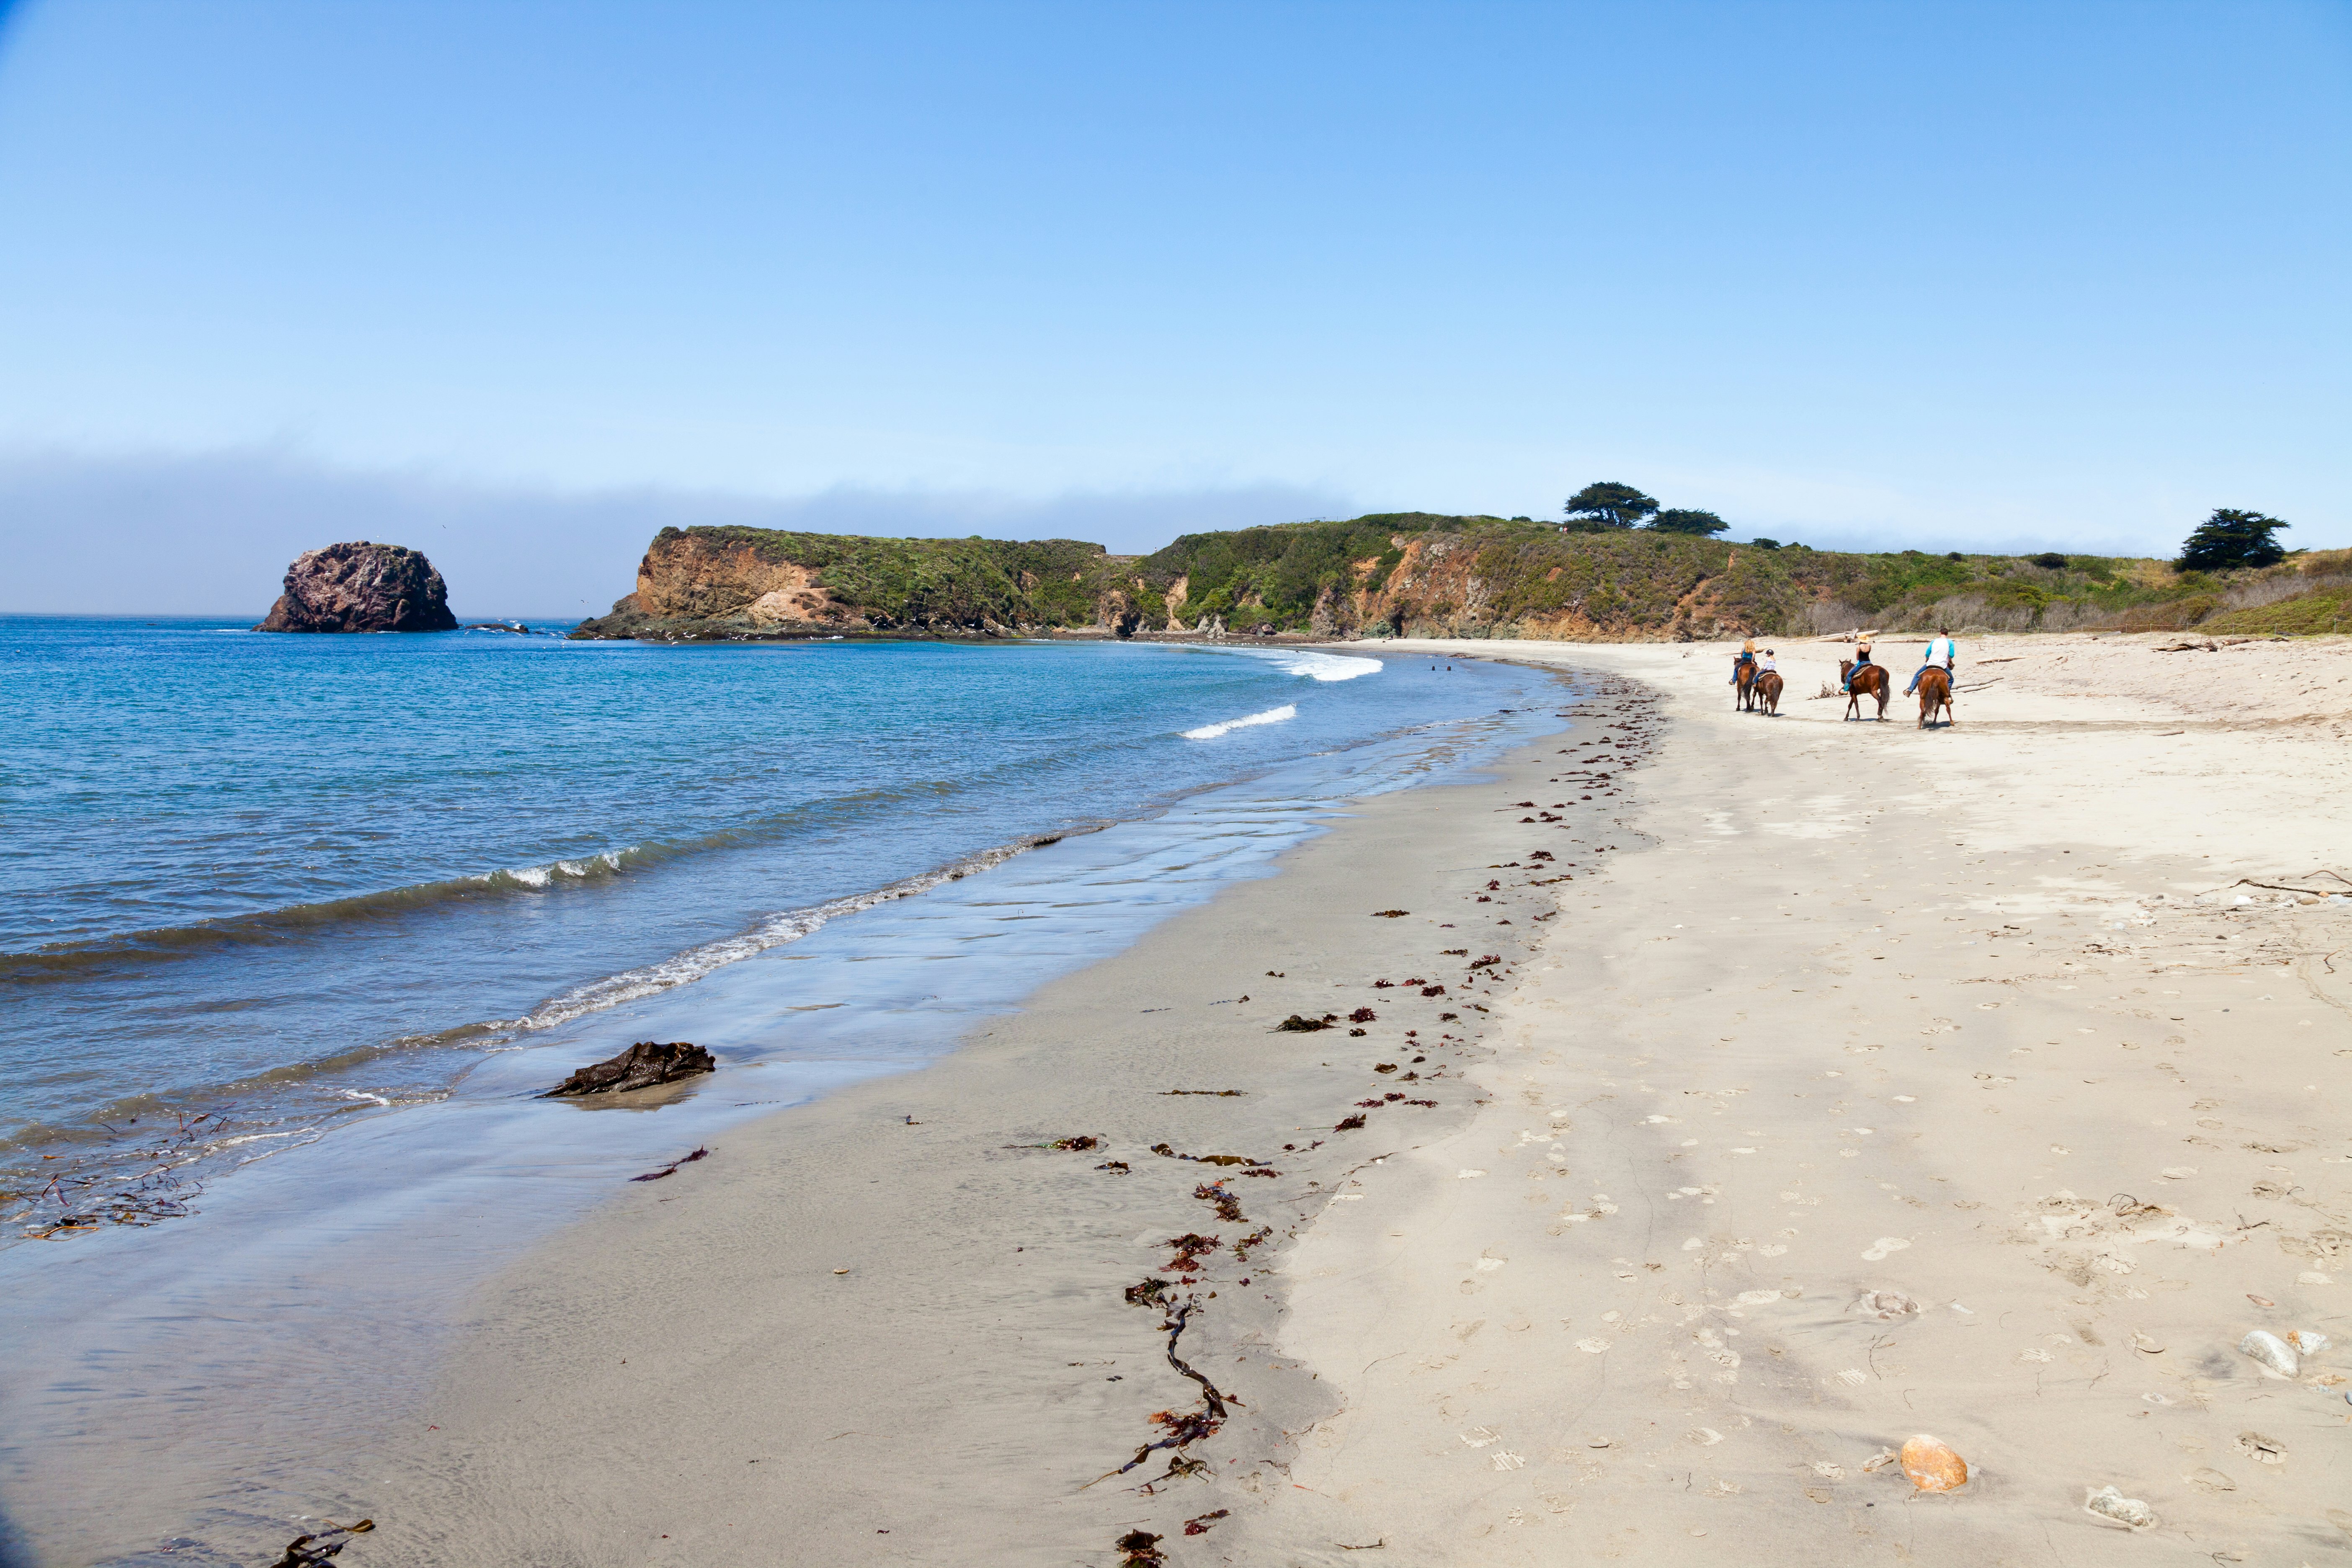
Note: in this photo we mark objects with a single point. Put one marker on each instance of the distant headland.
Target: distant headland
(1421, 575)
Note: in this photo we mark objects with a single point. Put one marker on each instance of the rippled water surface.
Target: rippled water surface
(268, 881)
(298, 928)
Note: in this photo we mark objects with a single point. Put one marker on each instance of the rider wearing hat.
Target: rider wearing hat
(1861, 657)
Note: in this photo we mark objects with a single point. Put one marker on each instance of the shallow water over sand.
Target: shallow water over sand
(234, 1364)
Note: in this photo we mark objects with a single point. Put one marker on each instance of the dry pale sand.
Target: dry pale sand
(1981, 1022)
(1795, 1011)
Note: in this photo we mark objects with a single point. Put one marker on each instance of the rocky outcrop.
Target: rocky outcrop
(361, 587)
(728, 583)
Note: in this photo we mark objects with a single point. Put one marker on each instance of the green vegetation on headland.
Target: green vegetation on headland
(1421, 574)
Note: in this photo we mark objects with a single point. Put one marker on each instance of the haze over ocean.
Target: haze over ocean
(517, 285)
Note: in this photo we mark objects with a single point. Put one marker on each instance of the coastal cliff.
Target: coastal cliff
(724, 584)
(361, 586)
(1424, 575)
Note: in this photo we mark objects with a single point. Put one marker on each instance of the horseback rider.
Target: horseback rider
(1941, 650)
(1765, 665)
(1861, 657)
(1747, 655)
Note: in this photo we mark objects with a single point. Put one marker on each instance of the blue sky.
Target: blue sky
(534, 277)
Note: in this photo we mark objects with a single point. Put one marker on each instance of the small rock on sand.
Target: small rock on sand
(1932, 1466)
(642, 1066)
(2108, 1503)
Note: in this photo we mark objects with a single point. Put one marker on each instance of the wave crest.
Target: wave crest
(1270, 716)
(1323, 666)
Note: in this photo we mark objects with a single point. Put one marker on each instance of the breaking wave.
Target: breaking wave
(1324, 665)
(774, 932)
(1270, 716)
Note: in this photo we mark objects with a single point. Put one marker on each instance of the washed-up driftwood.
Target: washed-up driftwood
(315, 1551)
(642, 1066)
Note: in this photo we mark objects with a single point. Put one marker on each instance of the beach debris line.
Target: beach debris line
(1167, 1151)
(671, 1169)
(155, 1193)
(1229, 1208)
(309, 1551)
(1389, 914)
(1191, 1248)
(1298, 1025)
(1079, 1145)
(642, 1066)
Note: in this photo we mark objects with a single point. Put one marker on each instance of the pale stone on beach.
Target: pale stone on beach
(2109, 1503)
(2274, 1353)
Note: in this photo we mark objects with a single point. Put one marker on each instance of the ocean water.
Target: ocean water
(297, 928)
(270, 882)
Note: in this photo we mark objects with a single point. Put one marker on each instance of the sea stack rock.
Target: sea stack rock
(361, 587)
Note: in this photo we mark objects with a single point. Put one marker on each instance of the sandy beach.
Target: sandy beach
(1795, 1087)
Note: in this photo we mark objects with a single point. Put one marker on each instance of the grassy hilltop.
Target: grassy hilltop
(1488, 576)
(1423, 574)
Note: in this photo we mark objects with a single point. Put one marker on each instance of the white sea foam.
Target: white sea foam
(541, 876)
(1322, 666)
(774, 932)
(1307, 662)
(1270, 716)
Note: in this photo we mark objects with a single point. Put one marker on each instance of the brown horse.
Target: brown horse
(1767, 692)
(1870, 680)
(1743, 675)
(1935, 691)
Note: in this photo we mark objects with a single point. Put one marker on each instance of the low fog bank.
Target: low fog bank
(212, 535)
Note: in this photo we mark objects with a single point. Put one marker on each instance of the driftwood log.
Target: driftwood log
(642, 1066)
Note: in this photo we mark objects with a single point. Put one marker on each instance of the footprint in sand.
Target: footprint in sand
(1882, 1246)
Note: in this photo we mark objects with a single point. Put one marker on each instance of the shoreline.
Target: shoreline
(367, 1244)
(974, 1382)
(1975, 991)
(419, 1053)
(1487, 1342)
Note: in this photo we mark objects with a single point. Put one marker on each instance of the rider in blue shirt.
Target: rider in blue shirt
(1941, 650)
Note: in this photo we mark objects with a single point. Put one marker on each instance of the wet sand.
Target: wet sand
(894, 1326)
(1968, 1020)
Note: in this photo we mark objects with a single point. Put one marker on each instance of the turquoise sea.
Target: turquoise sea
(297, 927)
